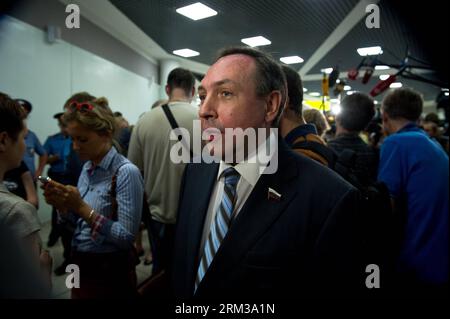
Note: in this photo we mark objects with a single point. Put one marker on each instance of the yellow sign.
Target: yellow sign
(318, 105)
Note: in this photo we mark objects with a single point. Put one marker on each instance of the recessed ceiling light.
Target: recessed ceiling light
(369, 51)
(347, 87)
(256, 41)
(382, 67)
(375, 102)
(446, 93)
(384, 77)
(350, 92)
(445, 90)
(186, 53)
(395, 85)
(196, 11)
(327, 70)
(314, 94)
(305, 89)
(291, 59)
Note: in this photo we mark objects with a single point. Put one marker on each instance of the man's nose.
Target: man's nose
(207, 108)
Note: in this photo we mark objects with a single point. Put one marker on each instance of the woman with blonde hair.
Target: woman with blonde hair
(314, 116)
(106, 205)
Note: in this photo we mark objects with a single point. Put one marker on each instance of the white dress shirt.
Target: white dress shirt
(250, 171)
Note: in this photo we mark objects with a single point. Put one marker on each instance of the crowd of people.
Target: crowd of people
(372, 188)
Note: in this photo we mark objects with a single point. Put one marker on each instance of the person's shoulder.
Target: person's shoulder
(315, 175)
(124, 166)
(22, 217)
(55, 136)
(149, 120)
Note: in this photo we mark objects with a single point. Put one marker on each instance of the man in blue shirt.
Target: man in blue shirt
(57, 147)
(33, 146)
(416, 172)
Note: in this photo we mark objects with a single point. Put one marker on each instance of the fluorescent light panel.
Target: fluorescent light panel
(196, 11)
(369, 51)
(382, 67)
(384, 77)
(291, 59)
(395, 85)
(256, 41)
(186, 53)
(314, 94)
(347, 87)
(327, 70)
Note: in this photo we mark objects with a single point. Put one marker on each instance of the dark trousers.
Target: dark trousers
(64, 230)
(162, 240)
(55, 232)
(66, 238)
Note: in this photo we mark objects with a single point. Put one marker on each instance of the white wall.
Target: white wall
(48, 74)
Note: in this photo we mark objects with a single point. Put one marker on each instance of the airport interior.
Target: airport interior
(118, 178)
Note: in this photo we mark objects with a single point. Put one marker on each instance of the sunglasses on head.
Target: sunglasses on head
(80, 106)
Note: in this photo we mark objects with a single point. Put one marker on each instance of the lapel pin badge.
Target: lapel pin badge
(273, 195)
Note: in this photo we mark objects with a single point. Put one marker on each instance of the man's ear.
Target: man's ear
(273, 105)
(4, 138)
(167, 90)
(384, 117)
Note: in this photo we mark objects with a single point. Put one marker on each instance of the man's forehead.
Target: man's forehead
(229, 69)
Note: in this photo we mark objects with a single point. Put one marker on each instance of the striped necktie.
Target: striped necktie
(219, 227)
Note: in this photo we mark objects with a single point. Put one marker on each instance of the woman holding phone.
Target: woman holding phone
(106, 205)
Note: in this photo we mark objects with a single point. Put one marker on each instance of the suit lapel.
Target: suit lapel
(257, 215)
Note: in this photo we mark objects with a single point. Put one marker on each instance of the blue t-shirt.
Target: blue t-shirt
(416, 172)
(59, 145)
(33, 146)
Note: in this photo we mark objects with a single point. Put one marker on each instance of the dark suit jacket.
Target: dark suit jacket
(302, 245)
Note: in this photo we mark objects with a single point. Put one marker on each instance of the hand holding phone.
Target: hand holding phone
(44, 180)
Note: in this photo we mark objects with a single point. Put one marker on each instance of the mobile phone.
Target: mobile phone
(44, 180)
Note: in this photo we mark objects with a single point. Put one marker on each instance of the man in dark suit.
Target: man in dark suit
(243, 231)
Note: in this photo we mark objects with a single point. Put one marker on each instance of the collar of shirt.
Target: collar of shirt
(250, 169)
(410, 127)
(300, 130)
(104, 164)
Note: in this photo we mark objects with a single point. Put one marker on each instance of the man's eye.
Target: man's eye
(226, 94)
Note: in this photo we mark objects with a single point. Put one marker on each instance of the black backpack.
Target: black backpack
(380, 229)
